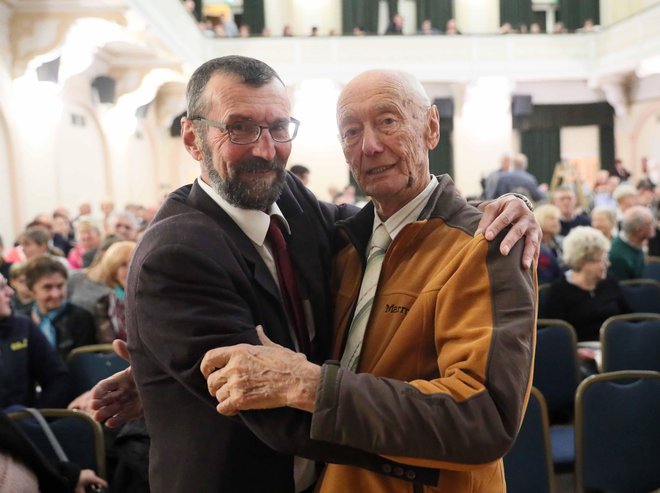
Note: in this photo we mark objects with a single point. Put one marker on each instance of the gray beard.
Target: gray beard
(258, 195)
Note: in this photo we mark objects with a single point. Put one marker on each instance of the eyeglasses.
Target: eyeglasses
(248, 133)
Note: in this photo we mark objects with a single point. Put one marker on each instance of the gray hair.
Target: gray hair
(611, 213)
(624, 190)
(583, 244)
(634, 218)
(520, 161)
(545, 211)
(250, 71)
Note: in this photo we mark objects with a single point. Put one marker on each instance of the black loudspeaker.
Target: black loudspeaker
(105, 87)
(521, 105)
(445, 107)
(49, 71)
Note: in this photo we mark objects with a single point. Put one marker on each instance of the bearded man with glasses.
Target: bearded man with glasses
(247, 244)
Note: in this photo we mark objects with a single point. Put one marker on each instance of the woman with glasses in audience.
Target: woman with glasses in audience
(586, 296)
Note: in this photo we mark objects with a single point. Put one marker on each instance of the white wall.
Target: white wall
(580, 145)
(477, 16)
(325, 14)
(80, 158)
(612, 11)
(6, 191)
(639, 135)
(482, 132)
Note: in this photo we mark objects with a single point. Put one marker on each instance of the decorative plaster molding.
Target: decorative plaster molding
(33, 34)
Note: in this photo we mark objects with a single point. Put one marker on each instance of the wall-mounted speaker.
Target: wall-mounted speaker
(521, 105)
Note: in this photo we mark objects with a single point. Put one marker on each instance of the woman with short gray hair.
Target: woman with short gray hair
(586, 296)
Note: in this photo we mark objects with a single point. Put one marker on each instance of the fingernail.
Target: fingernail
(505, 250)
(478, 232)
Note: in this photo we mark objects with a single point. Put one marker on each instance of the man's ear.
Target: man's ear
(190, 139)
(432, 128)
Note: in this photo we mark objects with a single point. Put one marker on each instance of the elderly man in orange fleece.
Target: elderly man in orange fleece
(434, 327)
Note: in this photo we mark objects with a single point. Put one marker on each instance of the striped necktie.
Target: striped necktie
(380, 240)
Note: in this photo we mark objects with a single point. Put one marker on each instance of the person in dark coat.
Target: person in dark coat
(27, 359)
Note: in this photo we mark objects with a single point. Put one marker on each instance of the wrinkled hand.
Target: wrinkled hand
(115, 399)
(505, 210)
(87, 477)
(83, 402)
(246, 377)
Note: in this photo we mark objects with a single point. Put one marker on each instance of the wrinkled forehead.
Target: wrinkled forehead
(382, 88)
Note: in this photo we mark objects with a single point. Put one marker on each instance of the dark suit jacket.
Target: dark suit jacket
(196, 283)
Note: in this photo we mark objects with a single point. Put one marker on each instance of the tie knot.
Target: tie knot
(380, 238)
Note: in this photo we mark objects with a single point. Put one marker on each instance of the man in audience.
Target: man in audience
(396, 25)
(490, 183)
(564, 198)
(603, 218)
(519, 180)
(646, 195)
(627, 255)
(205, 274)
(301, 172)
(122, 224)
(27, 360)
(65, 325)
(625, 196)
(427, 374)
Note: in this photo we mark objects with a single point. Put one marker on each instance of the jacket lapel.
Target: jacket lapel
(202, 202)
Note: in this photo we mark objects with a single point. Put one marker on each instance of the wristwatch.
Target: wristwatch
(528, 203)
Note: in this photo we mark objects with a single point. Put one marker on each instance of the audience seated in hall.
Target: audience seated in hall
(85, 287)
(586, 295)
(123, 224)
(490, 182)
(63, 237)
(427, 28)
(396, 25)
(109, 310)
(88, 238)
(625, 196)
(571, 216)
(65, 325)
(602, 190)
(22, 299)
(519, 180)
(627, 254)
(603, 218)
(550, 256)
(27, 360)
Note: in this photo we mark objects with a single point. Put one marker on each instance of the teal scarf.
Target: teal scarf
(119, 293)
(46, 322)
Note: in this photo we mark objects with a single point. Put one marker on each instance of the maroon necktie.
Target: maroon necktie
(288, 284)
